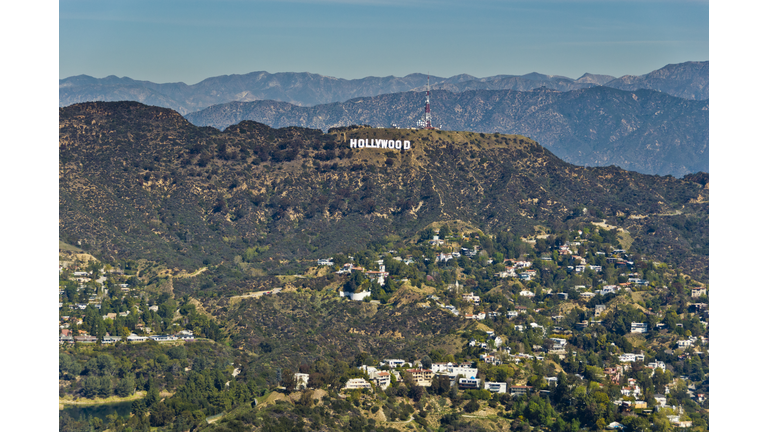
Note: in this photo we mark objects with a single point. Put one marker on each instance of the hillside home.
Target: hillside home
(519, 390)
(393, 363)
(631, 358)
(526, 293)
(379, 378)
(639, 327)
(110, 339)
(422, 377)
(471, 298)
(357, 383)
(491, 359)
(559, 344)
(451, 370)
(632, 390)
(495, 387)
(469, 383)
(507, 272)
(613, 374)
(436, 241)
(163, 338)
(698, 292)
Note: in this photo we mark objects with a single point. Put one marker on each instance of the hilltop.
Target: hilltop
(142, 182)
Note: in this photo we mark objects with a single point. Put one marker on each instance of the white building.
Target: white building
(302, 380)
(393, 363)
(496, 387)
(357, 383)
(639, 327)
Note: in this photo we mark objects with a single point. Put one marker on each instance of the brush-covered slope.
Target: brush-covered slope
(142, 182)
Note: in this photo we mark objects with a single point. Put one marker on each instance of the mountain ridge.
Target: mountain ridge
(644, 131)
(142, 182)
(307, 89)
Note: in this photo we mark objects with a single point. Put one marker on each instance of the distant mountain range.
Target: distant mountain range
(655, 123)
(688, 80)
(644, 131)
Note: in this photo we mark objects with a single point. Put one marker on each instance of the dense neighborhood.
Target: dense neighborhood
(556, 316)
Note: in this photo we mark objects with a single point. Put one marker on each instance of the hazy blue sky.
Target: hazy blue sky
(189, 40)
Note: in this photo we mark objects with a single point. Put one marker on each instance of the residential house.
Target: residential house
(527, 275)
(639, 327)
(519, 390)
(632, 390)
(507, 272)
(325, 262)
(469, 383)
(631, 358)
(471, 298)
(454, 370)
(163, 338)
(357, 383)
(559, 344)
(495, 387)
(599, 309)
(436, 241)
(613, 374)
(490, 359)
(698, 292)
(422, 377)
(380, 378)
(393, 363)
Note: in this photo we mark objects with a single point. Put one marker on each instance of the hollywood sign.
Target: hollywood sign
(380, 143)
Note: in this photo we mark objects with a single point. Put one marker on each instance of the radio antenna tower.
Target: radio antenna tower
(426, 122)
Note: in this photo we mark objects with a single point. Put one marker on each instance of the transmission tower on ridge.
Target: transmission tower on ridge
(426, 121)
